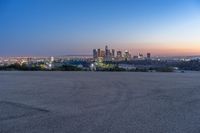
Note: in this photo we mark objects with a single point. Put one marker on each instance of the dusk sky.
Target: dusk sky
(62, 27)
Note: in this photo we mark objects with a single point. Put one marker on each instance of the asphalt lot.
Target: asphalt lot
(99, 102)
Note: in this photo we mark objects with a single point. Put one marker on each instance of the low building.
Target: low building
(127, 66)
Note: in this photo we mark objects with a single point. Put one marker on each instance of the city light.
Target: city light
(111, 55)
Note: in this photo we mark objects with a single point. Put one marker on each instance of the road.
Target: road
(99, 102)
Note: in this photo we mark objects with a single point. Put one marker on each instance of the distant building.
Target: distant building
(108, 56)
(95, 53)
(140, 56)
(99, 53)
(52, 59)
(135, 57)
(148, 55)
(127, 55)
(102, 53)
(119, 54)
(113, 53)
(107, 52)
(127, 66)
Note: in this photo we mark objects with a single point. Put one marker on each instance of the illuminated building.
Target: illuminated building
(140, 56)
(113, 53)
(127, 55)
(107, 51)
(52, 59)
(99, 53)
(95, 55)
(102, 53)
(119, 54)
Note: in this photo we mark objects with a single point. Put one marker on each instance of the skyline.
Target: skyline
(164, 28)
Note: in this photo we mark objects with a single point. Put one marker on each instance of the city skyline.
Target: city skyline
(111, 54)
(45, 28)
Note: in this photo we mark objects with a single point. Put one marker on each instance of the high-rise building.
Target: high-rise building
(119, 54)
(108, 54)
(95, 53)
(113, 53)
(102, 53)
(127, 55)
(99, 53)
(106, 51)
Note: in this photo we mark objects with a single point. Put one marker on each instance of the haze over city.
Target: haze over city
(164, 28)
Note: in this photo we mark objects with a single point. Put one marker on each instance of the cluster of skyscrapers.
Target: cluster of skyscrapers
(112, 55)
(106, 54)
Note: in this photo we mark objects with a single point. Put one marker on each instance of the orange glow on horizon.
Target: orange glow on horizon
(164, 49)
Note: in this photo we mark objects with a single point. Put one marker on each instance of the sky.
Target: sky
(66, 27)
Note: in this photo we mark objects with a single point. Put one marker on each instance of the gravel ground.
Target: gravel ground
(99, 102)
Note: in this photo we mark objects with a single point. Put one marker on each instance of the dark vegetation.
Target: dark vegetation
(25, 67)
(141, 66)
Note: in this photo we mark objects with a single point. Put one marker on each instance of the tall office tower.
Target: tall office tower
(95, 53)
(99, 53)
(119, 54)
(148, 55)
(127, 55)
(109, 53)
(106, 51)
(113, 53)
(102, 53)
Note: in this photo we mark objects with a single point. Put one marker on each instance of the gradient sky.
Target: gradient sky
(61, 27)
